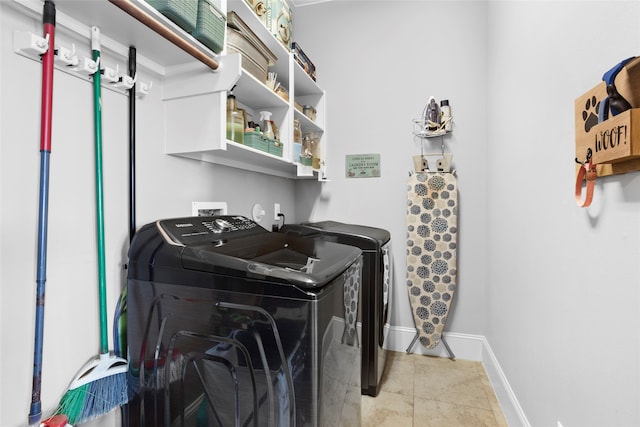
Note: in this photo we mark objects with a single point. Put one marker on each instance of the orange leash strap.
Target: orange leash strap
(588, 171)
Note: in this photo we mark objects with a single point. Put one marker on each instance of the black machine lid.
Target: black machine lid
(237, 246)
(361, 236)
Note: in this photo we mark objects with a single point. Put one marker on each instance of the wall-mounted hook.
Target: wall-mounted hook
(30, 43)
(86, 66)
(126, 81)
(420, 163)
(323, 172)
(43, 43)
(143, 89)
(66, 56)
(97, 62)
(110, 75)
(68, 60)
(444, 164)
(588, 157)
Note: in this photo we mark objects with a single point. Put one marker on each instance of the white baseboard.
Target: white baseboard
(508, 401)
(467, 347)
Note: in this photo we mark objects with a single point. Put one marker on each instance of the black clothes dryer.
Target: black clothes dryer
(232, 325)
(376, 290)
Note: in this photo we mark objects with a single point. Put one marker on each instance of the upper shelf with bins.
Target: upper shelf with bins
(303, 84)
(245, 13)
(300, 86)
(184, 77)
(202, 131)
(120, 30)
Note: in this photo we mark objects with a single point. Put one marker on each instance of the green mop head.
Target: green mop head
(99, 388)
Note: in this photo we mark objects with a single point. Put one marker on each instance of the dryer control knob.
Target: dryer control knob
(222, 224)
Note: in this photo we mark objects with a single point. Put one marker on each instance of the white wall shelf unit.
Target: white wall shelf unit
(193, 94)
(255, 96)
(195, 119)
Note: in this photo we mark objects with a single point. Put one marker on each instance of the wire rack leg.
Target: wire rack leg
(451, 355)
(412, 343)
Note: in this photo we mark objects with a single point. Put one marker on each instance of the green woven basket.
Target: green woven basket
(256, 140)
(306, 161)
(275, 147)
(211, 26)
(183, 12)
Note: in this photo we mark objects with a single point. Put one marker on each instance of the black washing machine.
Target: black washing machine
(232, 325)
(376, 290)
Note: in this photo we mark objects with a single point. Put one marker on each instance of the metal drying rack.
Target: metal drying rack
(421, 132)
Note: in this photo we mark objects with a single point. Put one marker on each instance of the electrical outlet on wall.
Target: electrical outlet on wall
(276, 211)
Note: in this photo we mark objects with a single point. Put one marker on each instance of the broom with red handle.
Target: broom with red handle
(49, 23)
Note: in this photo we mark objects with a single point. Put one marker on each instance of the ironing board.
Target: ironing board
(432, 228)
(352, 278)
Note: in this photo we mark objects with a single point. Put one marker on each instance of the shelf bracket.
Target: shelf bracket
(200, 81)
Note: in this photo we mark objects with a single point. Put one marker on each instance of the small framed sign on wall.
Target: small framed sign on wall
(362, 166)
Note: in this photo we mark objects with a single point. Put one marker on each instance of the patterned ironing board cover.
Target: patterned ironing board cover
(352, 279)
(432, 228)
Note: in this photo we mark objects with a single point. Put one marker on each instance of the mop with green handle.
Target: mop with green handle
(101, 385)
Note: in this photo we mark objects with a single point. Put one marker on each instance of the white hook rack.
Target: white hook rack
(67, 57)
(110, 75)
(126, 81)
(30, 43)
(143, 89)
(86, 66)
(33, 46)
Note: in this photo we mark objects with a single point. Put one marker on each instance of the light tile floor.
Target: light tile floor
(424, 391)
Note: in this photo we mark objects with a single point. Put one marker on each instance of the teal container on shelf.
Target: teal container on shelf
(183, 12)
(306, 161)
(211, 26)
(275, 147)
(256, 140)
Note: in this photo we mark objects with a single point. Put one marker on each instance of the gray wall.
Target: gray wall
(379, 66)
(562, 282)
(552, 287)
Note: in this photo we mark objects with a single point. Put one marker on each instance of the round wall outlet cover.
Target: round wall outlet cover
(257, 213)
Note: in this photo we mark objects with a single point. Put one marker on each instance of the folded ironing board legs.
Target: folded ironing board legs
(452, 356)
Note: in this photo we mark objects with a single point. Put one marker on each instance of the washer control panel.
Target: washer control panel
(206, 229)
